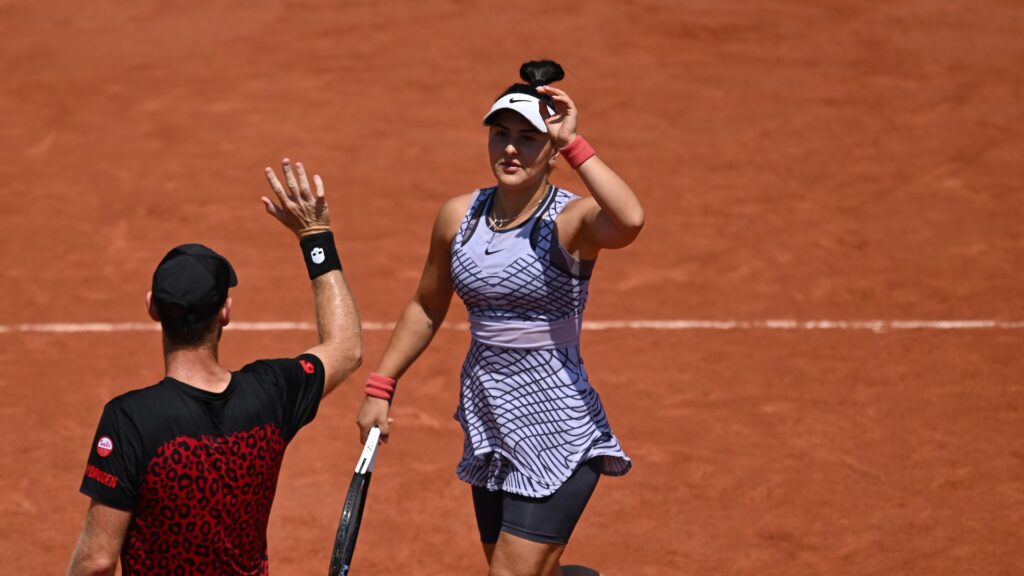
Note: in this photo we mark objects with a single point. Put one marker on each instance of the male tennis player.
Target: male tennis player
(182, 474)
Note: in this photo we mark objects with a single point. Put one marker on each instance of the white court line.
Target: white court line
(877, 326)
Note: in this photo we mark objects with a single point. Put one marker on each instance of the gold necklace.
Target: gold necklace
(499, 223)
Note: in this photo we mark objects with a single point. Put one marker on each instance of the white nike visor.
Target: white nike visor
(525, 104)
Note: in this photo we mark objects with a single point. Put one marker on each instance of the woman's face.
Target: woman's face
(520, 154)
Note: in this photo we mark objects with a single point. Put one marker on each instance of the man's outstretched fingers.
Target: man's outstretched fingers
(300, 170)
(319, 183)
(289, 178)
(272, 208)
(275, 185)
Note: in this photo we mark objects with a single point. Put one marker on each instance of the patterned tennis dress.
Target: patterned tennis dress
(526, 406)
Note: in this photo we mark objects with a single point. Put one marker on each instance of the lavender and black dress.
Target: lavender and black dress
(526, 405)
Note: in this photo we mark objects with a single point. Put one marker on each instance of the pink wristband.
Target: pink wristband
(577, 152)
(372, 386)
(382, 380)
(378, 394)
(380, 386)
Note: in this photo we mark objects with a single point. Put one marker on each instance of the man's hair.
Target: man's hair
(183, 329)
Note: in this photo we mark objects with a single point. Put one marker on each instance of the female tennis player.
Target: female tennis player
(520, 255)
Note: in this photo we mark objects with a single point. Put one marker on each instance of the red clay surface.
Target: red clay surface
(840, 160)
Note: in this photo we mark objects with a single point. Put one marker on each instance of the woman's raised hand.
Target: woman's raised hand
(562, 124)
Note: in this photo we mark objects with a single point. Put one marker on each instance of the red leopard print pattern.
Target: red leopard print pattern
(203, 506)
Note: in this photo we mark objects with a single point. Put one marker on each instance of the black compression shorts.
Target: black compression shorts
(548, 520)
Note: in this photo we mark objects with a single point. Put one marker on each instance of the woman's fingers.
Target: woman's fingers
(561, 124)
(559, 97)
(564, 105)
(555, 93)
(545, 114)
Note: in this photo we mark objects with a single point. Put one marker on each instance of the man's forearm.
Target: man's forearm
(82, 567)
(98, 547)
(337, 320)
(304, 211)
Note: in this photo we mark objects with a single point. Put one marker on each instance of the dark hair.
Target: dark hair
(182, 328)
(541, 72)
(536, 73)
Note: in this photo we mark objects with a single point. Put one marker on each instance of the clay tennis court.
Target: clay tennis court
(805, 161)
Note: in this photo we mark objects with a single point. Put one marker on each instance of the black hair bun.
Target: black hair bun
(541, 72)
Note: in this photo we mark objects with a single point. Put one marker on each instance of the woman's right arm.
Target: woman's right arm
(421, 318)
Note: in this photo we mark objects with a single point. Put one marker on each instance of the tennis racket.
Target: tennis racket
(348, 526)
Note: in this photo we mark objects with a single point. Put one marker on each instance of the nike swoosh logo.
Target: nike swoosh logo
(488, 253)
(514, 101)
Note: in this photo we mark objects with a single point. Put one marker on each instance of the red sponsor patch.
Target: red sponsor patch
(307, 366)
(104, 447)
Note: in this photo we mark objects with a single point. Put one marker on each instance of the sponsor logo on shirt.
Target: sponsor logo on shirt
(307, 366)
(105, 478)
(104, 447)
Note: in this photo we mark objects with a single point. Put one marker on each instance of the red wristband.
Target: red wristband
(378, 394)
(577, 152)
(380, 386)
(381, 381)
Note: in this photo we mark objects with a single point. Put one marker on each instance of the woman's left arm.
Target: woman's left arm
(613, 216)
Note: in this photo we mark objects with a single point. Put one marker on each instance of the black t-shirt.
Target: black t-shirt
(198, 470)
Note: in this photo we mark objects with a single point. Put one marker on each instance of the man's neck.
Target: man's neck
(198, 367)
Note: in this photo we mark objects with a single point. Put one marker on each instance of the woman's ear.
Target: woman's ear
(554, 159)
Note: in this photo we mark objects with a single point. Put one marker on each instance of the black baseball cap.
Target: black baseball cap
(194, 277)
